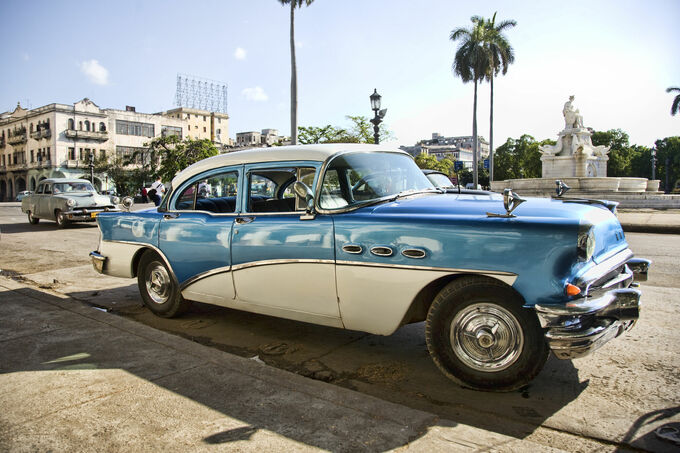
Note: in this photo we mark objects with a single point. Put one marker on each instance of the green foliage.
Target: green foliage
(169, 155)
(360, 131)
(625, 160)
(429, 161)
(126, 181)
(668, 158)
(517, 159)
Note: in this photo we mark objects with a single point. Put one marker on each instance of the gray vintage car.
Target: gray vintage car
(66, 200)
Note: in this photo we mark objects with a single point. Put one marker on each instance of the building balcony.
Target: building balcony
(44, 133)
(17, 139)
(87, 135)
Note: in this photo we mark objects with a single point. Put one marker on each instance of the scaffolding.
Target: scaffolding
(199, 93)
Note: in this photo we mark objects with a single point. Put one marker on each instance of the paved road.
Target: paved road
(617, 396)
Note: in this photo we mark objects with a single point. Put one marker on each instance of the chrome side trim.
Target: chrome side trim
(354, 249)
(238, 267)
(382, 250)
(201, 276)
(155, 249)
(425, 268)
(414, 253)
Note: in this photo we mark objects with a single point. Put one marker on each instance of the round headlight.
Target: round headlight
(115, 200)
(586, 244)
(70, 202)
(128, 202)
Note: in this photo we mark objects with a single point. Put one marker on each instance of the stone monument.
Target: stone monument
(574, 156)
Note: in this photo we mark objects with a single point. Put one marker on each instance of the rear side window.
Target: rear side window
(216, 193)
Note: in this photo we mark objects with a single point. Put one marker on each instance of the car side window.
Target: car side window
(47, 188)
(40, 188)
(271, 189)
(216, 193)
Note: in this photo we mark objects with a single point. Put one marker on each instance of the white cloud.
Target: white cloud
(240, 53)
(255, 94)
(97, 73)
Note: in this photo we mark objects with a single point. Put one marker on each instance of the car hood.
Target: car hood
(474, 205)
(85, 199)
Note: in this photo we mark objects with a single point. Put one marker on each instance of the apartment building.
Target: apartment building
(56, 140)
(455, 148)
(201, 124)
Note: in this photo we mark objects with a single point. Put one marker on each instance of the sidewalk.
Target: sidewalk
(74, 378)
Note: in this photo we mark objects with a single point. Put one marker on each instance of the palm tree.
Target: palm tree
(293, 69)
(471, 64)
(501, 55)
(676, 102)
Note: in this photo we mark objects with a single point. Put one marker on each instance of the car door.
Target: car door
(43, 203)
(195, 234)
(283, 261)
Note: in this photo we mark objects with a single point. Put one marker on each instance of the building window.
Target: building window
(219, 120)
(188, 116)
(204, 129)
(47, 156)
(126, 153)
(134, 128)
(171, 130)
(102, 127)
(32, 159)
(102, 153)
(71, 125)
(87, 125)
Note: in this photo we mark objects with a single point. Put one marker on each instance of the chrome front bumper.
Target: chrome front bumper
(98, 261)
(86, 215)
(606, 311)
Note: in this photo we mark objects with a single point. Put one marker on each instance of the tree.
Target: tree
(430, 161)
(501, 55)
(118, 170)
(169, 155)
(471, 63)
(360, 131)
(620, 153)
(293, 68)
(520, 158)
(675, 107)
(668, 157)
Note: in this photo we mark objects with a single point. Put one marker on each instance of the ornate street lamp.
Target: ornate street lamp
(379, 115)
(654, 163)
(91, 167)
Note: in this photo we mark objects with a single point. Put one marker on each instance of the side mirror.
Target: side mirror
(303, 191)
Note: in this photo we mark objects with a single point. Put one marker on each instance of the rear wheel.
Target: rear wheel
(31, 219)
(60, 218)
(158, 288)
(479, 335)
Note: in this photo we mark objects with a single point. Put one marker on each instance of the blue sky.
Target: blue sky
(616, 57)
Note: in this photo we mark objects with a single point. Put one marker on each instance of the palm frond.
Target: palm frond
(671, 89)
(676, 105)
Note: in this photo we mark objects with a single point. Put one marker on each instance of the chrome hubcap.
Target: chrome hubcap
(158, 283)
(486, 337)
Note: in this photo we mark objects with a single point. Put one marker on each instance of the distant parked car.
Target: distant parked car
(440, 180)
(66, 200)
(21, 195)
(356, 237)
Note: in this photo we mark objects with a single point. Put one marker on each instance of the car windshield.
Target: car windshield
(73, 187)
(440, 180)
(359, 178)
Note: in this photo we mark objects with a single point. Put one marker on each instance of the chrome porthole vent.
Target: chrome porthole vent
(381, 250)
(354, 249)
(414, 253)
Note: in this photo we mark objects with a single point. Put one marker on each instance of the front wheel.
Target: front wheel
(480, 336)
(158, 288)
(31, 219)
(60, 218)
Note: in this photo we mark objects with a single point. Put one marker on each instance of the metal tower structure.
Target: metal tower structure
(199, 93)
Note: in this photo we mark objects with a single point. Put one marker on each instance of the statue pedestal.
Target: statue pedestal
(580, 165)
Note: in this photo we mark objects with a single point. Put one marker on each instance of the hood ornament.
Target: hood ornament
(561, 188)
(510, 202)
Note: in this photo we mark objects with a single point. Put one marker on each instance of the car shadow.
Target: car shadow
(395, 368)
(44, 225)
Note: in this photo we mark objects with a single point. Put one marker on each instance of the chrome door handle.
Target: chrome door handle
(243, 220)
(174, 215)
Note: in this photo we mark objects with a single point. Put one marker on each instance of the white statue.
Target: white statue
(572, 116)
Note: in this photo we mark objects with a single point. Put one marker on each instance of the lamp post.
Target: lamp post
(91, 167)
(653, 163)
(379, 115)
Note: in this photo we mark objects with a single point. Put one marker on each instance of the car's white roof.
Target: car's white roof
(316, 153)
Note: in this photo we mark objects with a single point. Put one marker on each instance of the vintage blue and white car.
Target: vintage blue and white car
(356, 237)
